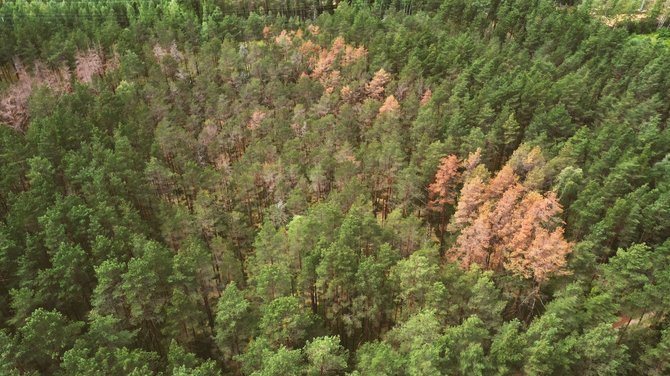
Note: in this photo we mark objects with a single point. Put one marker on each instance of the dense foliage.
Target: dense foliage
(390, 188)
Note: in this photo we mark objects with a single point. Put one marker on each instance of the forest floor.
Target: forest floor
(619, 19)
(617, 12)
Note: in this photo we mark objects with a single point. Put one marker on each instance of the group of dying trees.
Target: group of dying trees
(502, 222)
(393, 188)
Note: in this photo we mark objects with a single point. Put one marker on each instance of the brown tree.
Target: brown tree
(504, 179)
(325, 62)
(14, 102)
(471, 162)
(390, 105)
(256, 119)
(473, 196)
(505, 225)
(474, 242)
(442, 192)
(426, 97)
(89, 64)
(375, 88)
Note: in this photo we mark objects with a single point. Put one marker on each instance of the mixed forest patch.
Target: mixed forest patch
(316, 188)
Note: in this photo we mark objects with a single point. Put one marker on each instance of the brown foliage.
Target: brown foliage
(544, 257)
(308, 48)
(471, 162)
(208, 133)
(346, 93)
(443, 191)
(474, 242)
(267, 32)
(58, 80)
(472, 198)
(283, 39)
(14, 102)
(506, 225)
(504, 210)
(390, 105)
(89, 64)
(375, 88)
(324, 61)
(160, 53)
(504, 179)
(256, 119)
(331, 81)
(325, 64)
(313, 29)
(351, 54)
(427, 95)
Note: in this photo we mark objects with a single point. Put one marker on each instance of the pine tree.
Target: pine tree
(442, 192)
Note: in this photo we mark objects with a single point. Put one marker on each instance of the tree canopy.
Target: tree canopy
(386, 187)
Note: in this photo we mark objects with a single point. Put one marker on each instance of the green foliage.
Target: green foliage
(232, 321)
(325, 356)
(43, 339)
(245, 187)
(281, 362)
(378, 359)
(284, 322)
(506, 352)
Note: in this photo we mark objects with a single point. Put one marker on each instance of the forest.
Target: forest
(312, 187)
